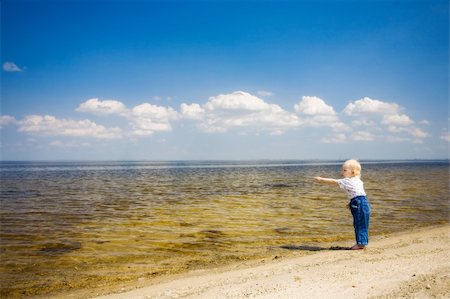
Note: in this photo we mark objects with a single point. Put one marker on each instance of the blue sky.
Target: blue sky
(165, 80)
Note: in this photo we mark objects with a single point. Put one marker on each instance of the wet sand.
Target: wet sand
(412, 264)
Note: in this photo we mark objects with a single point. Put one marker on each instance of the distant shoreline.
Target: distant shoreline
(189, 164)
(236, 160)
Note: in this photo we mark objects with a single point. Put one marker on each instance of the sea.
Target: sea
(77, 225)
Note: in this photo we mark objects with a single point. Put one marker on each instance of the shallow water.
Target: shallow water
(72, 225)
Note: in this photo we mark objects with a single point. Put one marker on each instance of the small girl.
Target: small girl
(359, 205)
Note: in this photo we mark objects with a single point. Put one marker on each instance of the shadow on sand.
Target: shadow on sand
(313, 248)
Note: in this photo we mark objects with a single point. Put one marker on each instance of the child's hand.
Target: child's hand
(318, 178)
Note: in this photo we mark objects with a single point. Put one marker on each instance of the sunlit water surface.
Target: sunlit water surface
(76, 225)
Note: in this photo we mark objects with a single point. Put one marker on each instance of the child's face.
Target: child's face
(346, 171)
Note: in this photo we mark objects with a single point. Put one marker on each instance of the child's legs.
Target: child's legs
(361, 217)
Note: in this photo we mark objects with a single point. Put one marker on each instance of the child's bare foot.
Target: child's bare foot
(357, 247)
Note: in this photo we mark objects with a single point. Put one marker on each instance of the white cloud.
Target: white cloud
(9, 66)
(6, 120)
(105, 107)
(397, 139)
(371, 106)
(363, 123)
(192, 111)
(417, 132)
(240, 110)
(51, 126)
(396, 129)
(69, 145)
(147, 119)
(445, 136)
(331, 121)
(336, 138)
(315, 112)
(313, 106)
(264, 93)
(397, 119)
(236, 101)
(413, 131)
(363, 136)
(340, 127)
(377, 115)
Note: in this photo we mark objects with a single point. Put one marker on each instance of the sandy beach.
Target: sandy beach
(413, 264)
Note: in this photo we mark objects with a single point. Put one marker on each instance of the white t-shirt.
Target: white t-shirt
(353, 186)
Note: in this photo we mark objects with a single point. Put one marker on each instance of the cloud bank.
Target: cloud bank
(144, 119)
(384, 117)
(51, 126)
(239, 112)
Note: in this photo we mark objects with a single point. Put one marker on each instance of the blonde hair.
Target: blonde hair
(354, 166)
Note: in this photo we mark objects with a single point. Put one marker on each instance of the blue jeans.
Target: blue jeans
(360, 208)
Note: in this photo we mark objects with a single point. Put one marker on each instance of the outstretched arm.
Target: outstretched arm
(326, 180)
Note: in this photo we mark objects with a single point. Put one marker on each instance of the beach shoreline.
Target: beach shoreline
(411, 264)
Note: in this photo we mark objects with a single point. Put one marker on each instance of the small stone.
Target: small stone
(428, 287)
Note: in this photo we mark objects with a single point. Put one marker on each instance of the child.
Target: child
(359, 205)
